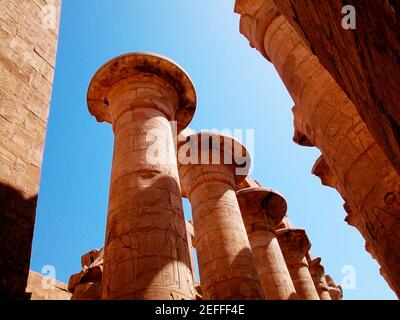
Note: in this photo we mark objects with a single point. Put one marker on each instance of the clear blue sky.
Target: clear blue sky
(237, 89)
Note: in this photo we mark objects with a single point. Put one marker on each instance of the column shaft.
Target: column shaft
(261, 209)
(226, 264)
(146, 252)
(271, 265)
(318, 276)
(294, 249)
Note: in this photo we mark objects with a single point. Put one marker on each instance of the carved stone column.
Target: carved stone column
(325, 117)
(146, 248)
(191, 245)
(295, 246)
(226, 264)
(262, 209)
(318, 275)
(335, 291)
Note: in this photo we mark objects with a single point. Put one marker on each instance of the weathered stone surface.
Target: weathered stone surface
(146, 248)
(352, 160)
(365, 62)
(318, 275)
(248, 183)
(191, 244)
(226, 264)
(93, 257)
(86, 284)
(27, 59)
(335, 290)
(87, 291)
(40, 287)
(295, 247)
(262, 209)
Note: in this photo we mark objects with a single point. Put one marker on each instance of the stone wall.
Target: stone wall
(42, 288)
(28, 41)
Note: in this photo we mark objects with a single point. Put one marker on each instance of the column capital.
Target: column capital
(269, 201)
(256, 17)
(214, 157)
(316, 269)
(293, 239)
(140, 67)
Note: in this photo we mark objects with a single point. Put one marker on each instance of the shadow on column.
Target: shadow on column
(165, 273)
(245, 290)
(17, 220)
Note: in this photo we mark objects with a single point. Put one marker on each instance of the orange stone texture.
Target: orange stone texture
(191, 244)
(226, 263)
(262, 209)
(146, 248)
(28, 41)
(86, 284)
(247, 248)
(40, 287)
(295, 247)
(352, 161)
(335, 291)
(364, 61)
(318, 275)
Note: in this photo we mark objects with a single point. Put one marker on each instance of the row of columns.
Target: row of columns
(352, 161)
(241, 255)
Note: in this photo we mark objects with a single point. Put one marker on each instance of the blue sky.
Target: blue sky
(237, 89)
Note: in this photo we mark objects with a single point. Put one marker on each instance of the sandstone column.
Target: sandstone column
(295, 246)
(326, 118)
(226, 264)
(318, 275)
(190, 239)
(262, 209)
(28, 45)
(146, 249)
(335, 291)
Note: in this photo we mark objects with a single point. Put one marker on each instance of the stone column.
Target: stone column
(295, 246)
(226, 264)
(146, 249)
(262, 209)
(329, 120)
(318, 275)
(190, 238)
(335, 291)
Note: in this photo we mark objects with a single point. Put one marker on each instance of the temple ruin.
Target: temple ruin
(247, 248)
